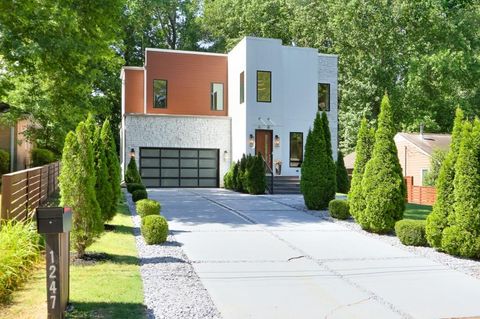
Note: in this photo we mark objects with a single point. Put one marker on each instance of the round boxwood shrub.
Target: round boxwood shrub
(139, 194)
(131, 187)
(339, 209)
(154, 229)
(147, 207)
(411, 232)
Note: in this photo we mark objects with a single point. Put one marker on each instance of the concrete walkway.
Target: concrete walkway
(260, 258)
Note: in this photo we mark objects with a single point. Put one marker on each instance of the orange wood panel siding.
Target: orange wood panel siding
(134, 91)
(189, 79)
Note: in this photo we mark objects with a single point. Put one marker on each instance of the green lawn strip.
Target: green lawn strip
(415, 211)
(111, 288)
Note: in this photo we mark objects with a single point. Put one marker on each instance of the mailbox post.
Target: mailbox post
(55, 223)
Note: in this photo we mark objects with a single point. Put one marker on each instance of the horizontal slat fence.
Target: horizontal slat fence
(422, 195)
(24, 191)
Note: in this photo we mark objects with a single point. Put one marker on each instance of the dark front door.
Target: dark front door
(263, 144)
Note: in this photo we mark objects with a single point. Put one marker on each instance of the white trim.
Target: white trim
(135, 68)
(179, 116)
(145, 86)
(183, 52)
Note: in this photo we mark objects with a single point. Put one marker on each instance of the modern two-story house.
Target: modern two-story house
(187, 116)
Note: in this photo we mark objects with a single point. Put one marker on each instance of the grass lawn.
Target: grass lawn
(111, 288)
(414, 211)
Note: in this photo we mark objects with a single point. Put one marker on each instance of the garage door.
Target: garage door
(179, 167)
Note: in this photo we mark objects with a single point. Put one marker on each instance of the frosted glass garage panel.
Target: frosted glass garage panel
(170, 153)
(170, 183)
(189, 172)
(170, 172)
(149, 152)
(169, 162)
(189, 182)
(150, 162)
(207, 153)
(210, 172)
(189, 153)
(151, 182)
(207, 183)
(150, 172)
(208, 163)
(189, 162)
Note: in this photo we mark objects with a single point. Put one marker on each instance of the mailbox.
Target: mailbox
(54, 220)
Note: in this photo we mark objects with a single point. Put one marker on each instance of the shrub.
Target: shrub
(438, 156)
(343, 183)
(139, 194)
(154, 229)
(382, 184)
(242, 167)
(4, 162)
(235, 175)
(228, 178)
(339, 209)
(411, 232)
(20, 247)
(132, 175)
(148, 207)
(135, 186)
(255, 175)
(41, 156)
(113, 165)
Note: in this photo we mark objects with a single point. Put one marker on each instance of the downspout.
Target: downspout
(12, 147)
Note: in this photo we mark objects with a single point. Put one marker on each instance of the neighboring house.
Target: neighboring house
(188, 115)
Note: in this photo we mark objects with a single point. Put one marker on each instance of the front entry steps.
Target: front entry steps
(286, 185)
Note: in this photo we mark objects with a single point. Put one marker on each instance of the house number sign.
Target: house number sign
(53, 278)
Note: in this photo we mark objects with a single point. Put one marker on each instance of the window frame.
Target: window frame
(166, 94)
(327, 107)
(242, 87)
(290, 150)
(270, 88)
(212, 108)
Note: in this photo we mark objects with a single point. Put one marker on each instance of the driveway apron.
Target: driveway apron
(262, 257)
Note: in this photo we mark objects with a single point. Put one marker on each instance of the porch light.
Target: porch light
(132, 152)
(277, 141)
(251, 141)
(225, 155)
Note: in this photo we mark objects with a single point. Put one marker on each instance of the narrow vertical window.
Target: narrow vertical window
(323, 97)
(264, 86)
(296, 149)
(242, 87)
(424, 176)
(216, 97)
(160, 94)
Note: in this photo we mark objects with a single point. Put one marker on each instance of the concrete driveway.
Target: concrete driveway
(261, 258)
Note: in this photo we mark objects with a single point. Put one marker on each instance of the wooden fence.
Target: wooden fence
(422, 195)
(24, 191)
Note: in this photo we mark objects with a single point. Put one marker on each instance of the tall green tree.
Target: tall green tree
(343, 182)
(113, 166)
(103, 188)
(382, 184)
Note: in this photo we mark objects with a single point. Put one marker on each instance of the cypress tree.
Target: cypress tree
(103, 187)
(132, 175)
(363, 153)
(242, 167)
(343, 183)
(113, 166)
(256, 176)
(77, 188)
(382, 184)
(330, 169)
(326, 134)
(444, 204)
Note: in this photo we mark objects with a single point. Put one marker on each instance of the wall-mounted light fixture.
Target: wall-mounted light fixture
(276, 141)
(225, 155)
(251, 141)
(132, 152)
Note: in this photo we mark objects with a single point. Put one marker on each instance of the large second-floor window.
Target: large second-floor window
(216, 97)
(264, 86)
(323, 97)
(242, 87)
(296, 149)
(160, 94)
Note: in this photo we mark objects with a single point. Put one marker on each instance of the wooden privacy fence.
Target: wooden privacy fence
(24, 191)
(422, 195)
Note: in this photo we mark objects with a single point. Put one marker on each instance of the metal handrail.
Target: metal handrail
(268, 169)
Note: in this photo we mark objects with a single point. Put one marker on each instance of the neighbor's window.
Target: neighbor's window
(242, 87)
(264, 86)
(216, 97)
(323, 97)
(160, 94)
(296, 149)
(424, 176)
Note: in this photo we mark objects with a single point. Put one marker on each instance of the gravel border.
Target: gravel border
(172, 288)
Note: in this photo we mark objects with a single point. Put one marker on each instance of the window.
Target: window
(296, 149)
(242, 87)
(264, 86)
(424, 176)
(216, 97)
(160, 94)
(323, 97)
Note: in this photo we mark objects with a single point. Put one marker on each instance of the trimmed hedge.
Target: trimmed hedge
(131, 187)
(154, 229)
(41, 156)
(411, 232)
(339, 209)
(4, 162)
(139, 194)
(147, 207)
(247, 175)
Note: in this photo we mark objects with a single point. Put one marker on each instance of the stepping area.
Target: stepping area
(263, 257)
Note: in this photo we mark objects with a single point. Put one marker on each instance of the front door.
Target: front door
(263, 144)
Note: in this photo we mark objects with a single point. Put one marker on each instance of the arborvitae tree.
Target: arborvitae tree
(343, 183)
(443, 207)
(256, 176)
(382, 184)
(363, 153)
(77, 188)
(327, 135)
(132, 175)
(103, 187)
(235, 175)
(462, 237)
(242, 166)
(330, 169)
(113, 165)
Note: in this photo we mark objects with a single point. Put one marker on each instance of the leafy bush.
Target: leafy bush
(139, 194)
(132, 175)
(411, 232)
(339, 209)
(147, 207)
(41, 156)
(255, 178)
(19, 247)
(343, 182)
(154, 229)
(134, 186)
(4, 162)
(438, 156)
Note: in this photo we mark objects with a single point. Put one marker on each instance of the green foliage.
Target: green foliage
(132, 175)
(4, 162)
(438, 156)
(113, 165)
(20, 247)
(255, 178)
(148, 207)
(228, 178)
(154, 229)
(242, 168)
(444, 204)
(339, 209)
(41, 156)
(326, 134)
(134, 186)
(77, 188)
(411, 232)
(343, 182)
(382, 184)
(103, 187)
(318, 169)
(139, 194)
